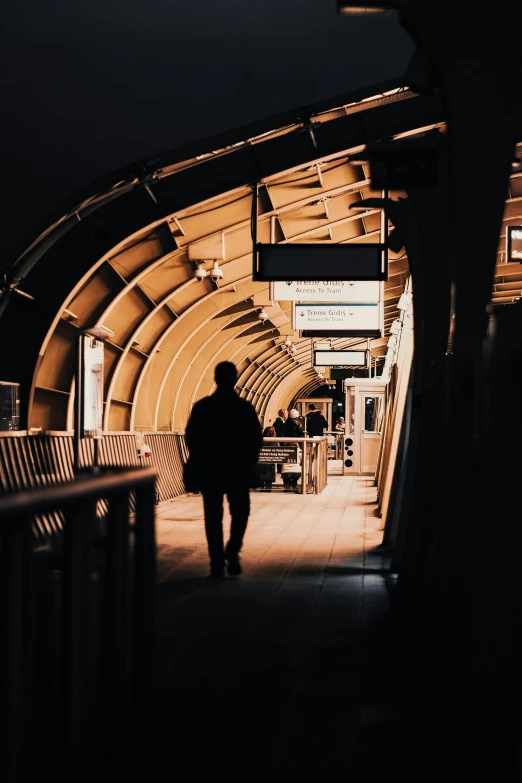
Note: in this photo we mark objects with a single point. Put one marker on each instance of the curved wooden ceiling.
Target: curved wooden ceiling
(168, 329)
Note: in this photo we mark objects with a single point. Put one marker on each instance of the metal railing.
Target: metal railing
(34, 461)
(77, 622)
(314, 473)
(336, 444)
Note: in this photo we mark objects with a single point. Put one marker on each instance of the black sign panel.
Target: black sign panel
(315, 262)
(275, 453)
(340, 374)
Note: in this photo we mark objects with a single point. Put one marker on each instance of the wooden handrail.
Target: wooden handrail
(27, 502)
(103, 620)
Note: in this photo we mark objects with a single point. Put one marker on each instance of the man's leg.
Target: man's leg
(239, 504)
(213, 509)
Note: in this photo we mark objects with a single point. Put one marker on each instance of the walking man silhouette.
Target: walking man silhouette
(224, 438)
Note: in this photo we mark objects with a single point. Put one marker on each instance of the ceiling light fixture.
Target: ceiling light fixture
(368, 7)
(262, 315)
(404, 302)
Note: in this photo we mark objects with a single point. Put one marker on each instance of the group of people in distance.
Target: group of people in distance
(288, 425)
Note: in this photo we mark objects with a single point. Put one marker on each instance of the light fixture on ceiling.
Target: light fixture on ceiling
(216, 273)
(262, 315)
(200, 272)
(290, 345)
(369, 7)
(405, 301)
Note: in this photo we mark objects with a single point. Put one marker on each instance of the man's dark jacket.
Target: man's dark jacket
(315, 423)
(279, 424)
(224, 437)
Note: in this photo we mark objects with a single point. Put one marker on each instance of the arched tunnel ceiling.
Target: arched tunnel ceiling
(125, 258)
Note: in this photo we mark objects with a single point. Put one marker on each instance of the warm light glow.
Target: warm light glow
(354, 9)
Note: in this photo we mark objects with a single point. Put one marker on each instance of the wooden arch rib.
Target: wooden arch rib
(169, 330)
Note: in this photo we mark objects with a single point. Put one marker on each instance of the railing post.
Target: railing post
(116, 614)
(76, 621)
(304, 470)
(15, 553)
(143, 602)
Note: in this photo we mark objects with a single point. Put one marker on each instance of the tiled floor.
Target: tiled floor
(293, 671)
(275, 669)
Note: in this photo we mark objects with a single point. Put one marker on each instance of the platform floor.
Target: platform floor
(292, 671)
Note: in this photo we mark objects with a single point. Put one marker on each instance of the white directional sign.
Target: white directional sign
(327, 291)
(337, 316)
(339, 358)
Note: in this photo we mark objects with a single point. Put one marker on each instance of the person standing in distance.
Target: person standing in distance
(226, 460)
(279, 423)
(315, 422)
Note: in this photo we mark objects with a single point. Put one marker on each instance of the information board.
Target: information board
(327, 291)
(337, 316)
(275, 453)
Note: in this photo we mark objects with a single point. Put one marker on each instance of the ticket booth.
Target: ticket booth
(323, 404)
(364, 407)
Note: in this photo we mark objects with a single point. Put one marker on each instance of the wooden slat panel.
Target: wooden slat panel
(47, 459)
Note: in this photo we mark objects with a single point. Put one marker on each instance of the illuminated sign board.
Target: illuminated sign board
(339, 358)
(272, 452)
(326, 291)
(316, 262)
(327, 317)
(514, 244)
(91, 386)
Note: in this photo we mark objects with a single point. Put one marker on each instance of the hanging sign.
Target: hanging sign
(339, 358)
(337, 316)
(326, 291)
(315, 261)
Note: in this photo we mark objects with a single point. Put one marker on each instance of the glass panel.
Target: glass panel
(351, 409)
(373, 411)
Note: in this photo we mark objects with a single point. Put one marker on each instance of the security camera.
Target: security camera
(216, 273)
(200, 274)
